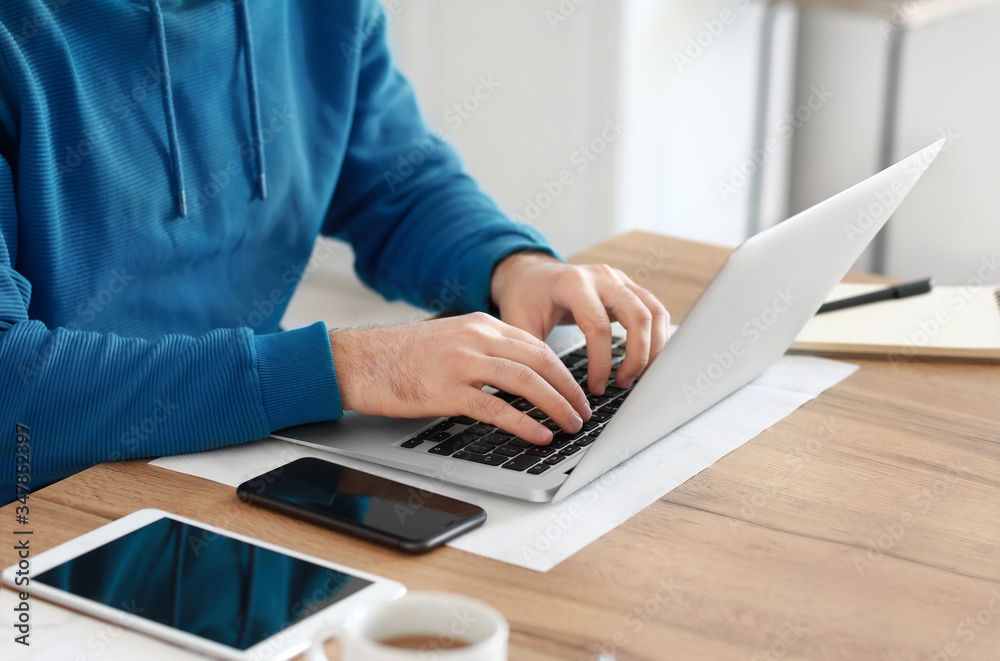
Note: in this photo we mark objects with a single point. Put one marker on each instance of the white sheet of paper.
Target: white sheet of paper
(539, 536)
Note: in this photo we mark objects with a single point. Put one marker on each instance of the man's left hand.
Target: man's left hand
(535, 291)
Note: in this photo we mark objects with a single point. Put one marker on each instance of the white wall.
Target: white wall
(558, 79)
(949, 87)
(690, 88)
(682, 76)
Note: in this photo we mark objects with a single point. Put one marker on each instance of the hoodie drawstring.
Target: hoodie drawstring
(171, 114)
(168, 106)
(254, 98)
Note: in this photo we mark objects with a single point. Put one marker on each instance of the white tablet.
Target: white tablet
(200, 587)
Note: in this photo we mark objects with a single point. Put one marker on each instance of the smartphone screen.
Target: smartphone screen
(363, 504)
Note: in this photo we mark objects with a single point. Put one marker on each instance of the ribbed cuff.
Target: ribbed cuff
(480, 262)
(297, 380)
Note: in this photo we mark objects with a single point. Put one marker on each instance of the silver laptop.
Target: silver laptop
(744, 321)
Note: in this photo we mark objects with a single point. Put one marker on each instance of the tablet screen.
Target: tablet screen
(203, 583)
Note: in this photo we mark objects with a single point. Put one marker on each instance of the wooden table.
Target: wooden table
(866, 525)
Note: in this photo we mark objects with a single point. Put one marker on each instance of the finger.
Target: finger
(633, 314)
(539, 356)
(493, 410)
(542, 359)
(660, 330)
(520, 379)
(590, 315)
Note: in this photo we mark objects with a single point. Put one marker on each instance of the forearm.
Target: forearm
(90, 398)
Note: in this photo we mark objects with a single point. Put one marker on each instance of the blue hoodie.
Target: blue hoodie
(165, 168)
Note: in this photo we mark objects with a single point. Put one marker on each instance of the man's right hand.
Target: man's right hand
(438, 368)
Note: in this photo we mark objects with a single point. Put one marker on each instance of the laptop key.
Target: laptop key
(519, 443)
(493, 439)
(507, 451)
(540, 451)
(451, 445)
(522, 405)
(554, 459)
(569, 361)
(443, 426)
(571, 450)
(585, 441)
(479, 429)
(600, 416)
(538, 414)
(462, 420)
(522, 462)
(488, 459)
(537, 469)
(478, 448)
(411, 443)
(597, 400)
(551, 425)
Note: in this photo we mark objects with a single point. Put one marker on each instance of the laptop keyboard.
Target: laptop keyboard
(461, 437)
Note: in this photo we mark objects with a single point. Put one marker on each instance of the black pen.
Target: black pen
(899, 291)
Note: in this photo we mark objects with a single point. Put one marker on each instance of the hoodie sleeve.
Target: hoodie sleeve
(421, 229)
(82, 398)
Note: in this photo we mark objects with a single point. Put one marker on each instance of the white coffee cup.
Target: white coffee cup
(432, 621)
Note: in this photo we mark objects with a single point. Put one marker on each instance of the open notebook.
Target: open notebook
(947, 322)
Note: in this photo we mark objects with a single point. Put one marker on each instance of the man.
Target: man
(165, 171)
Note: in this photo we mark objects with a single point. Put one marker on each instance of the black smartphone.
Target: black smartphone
(362, 504)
